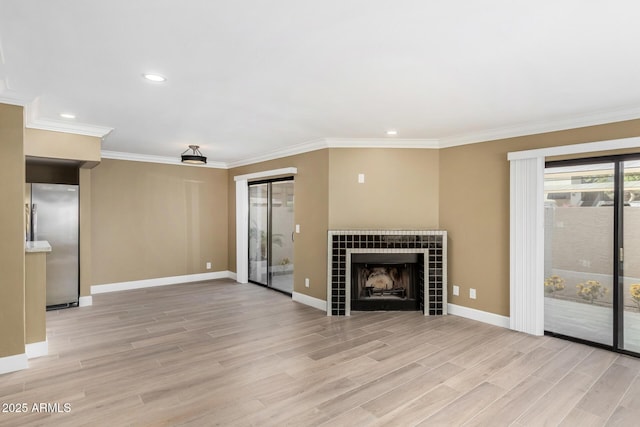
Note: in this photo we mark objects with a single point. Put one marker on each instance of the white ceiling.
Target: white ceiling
(255, 78)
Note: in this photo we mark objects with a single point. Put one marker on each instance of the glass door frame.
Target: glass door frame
(269, 228)
(618, 247)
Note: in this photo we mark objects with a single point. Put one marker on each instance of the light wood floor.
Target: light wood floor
(219, 353)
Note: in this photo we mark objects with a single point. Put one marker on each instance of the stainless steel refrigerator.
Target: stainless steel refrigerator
(55, 218)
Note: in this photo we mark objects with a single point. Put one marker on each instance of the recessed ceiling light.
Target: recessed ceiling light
(392, 132)
(67, 116)
(155, 77)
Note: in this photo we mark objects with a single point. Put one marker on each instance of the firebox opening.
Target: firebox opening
(385, 281)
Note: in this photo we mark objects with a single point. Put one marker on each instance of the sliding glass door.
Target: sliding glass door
(592, 251)
(579, 251)
(258, 233)
(271, 232)
(282, 232)
(630, 257)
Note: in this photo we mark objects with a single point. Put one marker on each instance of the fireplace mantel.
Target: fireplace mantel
(431, 243)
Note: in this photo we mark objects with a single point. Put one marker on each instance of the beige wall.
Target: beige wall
(400, 189)
(35, 293)
(311, 212)
(12, 226)
(474, 209)
(154, 220)
(61, 145)
(400, 192)
(85, 233)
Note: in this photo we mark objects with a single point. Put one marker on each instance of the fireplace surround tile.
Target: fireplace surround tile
(431, 243)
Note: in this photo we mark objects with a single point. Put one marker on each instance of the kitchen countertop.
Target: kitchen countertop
(37, 246)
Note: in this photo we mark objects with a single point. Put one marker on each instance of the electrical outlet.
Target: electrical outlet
(472, 293)
(306, 282)
(208, 266)
(361, 178)
(456, 290)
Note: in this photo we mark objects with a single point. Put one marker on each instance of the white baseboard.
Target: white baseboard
(480, 316)
(85, 301)
(320, 304)
(37, 349)
(13, 363)
(233, 275)
(161, 281)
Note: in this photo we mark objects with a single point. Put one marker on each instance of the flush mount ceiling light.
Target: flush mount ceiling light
(157, 78)
(392, 132)
(67, 116)
(195, 157)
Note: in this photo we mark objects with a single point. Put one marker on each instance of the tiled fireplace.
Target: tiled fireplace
(428, 249)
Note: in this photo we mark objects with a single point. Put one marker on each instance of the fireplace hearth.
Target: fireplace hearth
(391, 282)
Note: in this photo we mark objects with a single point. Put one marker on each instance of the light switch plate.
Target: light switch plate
(472, 293)
(360, 178)
(456, 290)
(298, 228)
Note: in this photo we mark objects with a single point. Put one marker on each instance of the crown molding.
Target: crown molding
(148, 158)
(8, 95)
(32, 121)
(317, 144)
(76, 128)
(11, 100)
(526, 129)
(321, 143)
(305, 147)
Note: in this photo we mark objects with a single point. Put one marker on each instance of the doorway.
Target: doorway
(271, 233)
(592, 251)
